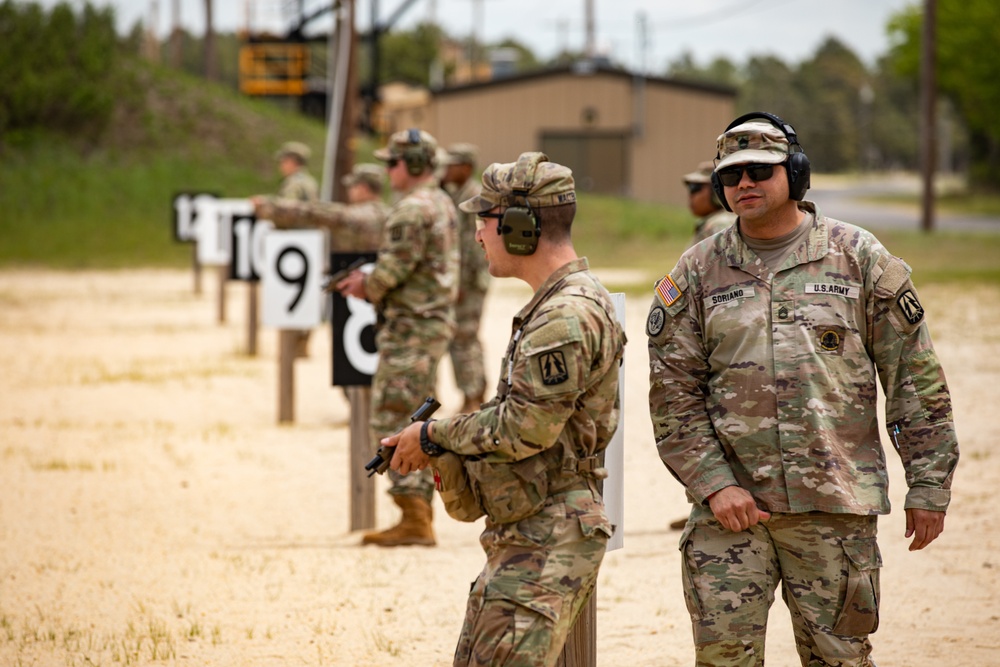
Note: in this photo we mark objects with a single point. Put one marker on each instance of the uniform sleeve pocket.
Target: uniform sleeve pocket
(859, 613)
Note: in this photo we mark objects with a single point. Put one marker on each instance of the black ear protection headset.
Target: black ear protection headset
(415, 155)
(519, 225)
(796, 166)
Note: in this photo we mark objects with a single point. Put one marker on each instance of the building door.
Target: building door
(598, 159)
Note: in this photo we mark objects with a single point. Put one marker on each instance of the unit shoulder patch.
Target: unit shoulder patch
(910, 306)
(654, 323)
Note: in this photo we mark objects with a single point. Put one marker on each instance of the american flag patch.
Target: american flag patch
(668, 291)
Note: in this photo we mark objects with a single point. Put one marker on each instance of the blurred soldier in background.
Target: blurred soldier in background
(354, 227)
(466, 349)
(705, 204)
(296, 181)
(413, 287)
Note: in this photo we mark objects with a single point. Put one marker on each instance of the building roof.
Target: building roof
(587, 68)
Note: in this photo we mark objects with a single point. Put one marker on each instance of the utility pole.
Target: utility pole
(590, 48)
(211, 67)
(176, 47)
(928, 100)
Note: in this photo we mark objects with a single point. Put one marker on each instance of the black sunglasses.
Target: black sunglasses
(731, 176)
(392, 162)
(695, 187)
(486, 215)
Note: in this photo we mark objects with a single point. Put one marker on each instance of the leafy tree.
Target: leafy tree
(408, 55)
(968, 71)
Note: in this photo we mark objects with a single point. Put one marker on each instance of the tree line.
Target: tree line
(851, 116)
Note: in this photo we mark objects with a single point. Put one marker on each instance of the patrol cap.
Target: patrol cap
(752, 142)
(462, 154)
(405, 143)
(550, 184)
(372, 175)
(702, 175)
(295, 149)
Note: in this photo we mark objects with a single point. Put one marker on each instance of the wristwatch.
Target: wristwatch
(429, 448)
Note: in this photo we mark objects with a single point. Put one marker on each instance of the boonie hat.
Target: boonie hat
(703, 173)
(406, 141)
(550, 184)
(752, 142)
(295, 149)
(462, 154)
(372, 175)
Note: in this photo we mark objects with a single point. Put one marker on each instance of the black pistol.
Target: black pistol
(330, 281)
(380, 463)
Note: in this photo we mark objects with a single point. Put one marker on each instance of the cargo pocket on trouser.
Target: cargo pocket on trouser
(859, 614)
(512, 627)
(689, 568)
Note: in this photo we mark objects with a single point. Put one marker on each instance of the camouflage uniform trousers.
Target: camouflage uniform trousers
(407, 373)
(466, 350)
(538, 576)
(828, 567)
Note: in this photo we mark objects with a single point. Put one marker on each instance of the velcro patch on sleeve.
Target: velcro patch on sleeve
(667, 290)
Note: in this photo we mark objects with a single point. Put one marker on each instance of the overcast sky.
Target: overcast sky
(789, 29)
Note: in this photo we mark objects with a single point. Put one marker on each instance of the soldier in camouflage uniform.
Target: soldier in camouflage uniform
(764, 346)
(413, 288)
(466, 351)
(531, 454)
(297, 182)
(704, 203)
(354, 227)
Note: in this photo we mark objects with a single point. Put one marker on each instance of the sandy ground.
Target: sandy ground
(153, 511)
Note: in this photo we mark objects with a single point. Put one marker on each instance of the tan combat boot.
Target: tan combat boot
(415, 528)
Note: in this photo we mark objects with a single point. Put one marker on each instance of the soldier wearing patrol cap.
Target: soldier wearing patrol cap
(296, 182)
(705, 204)
(354, 227)
(466, 350)
(530, 457)
(765, 345)
(413, 288)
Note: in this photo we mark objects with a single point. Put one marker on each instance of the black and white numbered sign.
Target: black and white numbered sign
(247, 244)
(355, 356)
(292, 279)
(214, 228)
(186, 206)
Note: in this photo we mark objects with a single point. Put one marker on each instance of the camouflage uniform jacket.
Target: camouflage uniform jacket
(712, 224)
(559, 380)
(352, 227)
(299, 185)
(416, 274)
(475, 268)
(767, 381)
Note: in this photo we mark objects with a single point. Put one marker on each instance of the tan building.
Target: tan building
(621, 134)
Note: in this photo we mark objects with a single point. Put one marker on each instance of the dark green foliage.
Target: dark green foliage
(59, 70)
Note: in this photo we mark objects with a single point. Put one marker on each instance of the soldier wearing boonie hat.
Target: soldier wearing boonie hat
(413, 287)
(530, 458)
(766, 342)
(712, 217)
(296, 183)
(458, 164)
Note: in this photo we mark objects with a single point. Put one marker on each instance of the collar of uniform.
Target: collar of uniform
(818, 243)
(578, 264)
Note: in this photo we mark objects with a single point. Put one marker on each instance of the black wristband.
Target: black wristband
(429, 448)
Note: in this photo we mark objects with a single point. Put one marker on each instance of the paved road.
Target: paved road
(845, 201)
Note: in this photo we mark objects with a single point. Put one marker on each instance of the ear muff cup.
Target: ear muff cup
(520, 230)
(415, 156)
(797, 167)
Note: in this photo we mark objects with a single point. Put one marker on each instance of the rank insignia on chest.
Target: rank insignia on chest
(912, 310)
(553, 367)
(668, 290)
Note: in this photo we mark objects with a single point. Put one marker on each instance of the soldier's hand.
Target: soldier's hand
(924, 526)
(354, 285)
(735, 509)
(407, 455)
